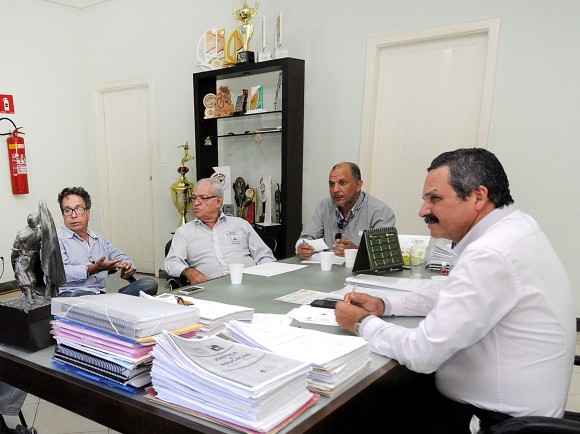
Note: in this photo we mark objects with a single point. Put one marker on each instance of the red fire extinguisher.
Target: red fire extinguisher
(17, 160)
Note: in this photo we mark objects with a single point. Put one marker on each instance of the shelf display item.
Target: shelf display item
(245, 32)
(256, 99)
(182, 189)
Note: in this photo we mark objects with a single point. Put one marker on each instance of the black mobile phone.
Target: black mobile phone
(327, 303)
(189, 290)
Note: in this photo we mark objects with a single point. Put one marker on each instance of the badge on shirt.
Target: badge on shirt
(234, 237)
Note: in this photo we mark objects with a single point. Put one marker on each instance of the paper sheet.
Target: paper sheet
(272, 269)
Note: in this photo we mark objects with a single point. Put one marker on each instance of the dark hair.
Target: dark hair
(355, 170)
(79, 191)
(471, 167)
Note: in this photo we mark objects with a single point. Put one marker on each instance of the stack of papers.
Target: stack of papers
(213, 315)
(109, 352)
(230, 383)
(131, 317)
(440, 253)
(334, 359)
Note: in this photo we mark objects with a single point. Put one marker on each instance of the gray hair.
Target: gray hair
(215, 186)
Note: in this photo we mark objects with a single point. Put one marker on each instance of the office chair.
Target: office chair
(174, 282)
(569, 424)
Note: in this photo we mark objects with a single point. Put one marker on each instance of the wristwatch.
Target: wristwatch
(357, 324)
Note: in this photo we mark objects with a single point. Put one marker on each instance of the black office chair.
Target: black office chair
(174, 282)
(569, 424)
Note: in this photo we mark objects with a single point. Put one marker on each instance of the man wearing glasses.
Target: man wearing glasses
(202, 248)
(89, 257)
(341, 218)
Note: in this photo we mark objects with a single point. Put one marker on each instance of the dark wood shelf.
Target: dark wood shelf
(291, 139)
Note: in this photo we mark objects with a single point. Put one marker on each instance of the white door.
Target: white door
(125, 154)
(426, 92)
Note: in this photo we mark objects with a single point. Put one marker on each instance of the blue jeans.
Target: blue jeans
(146, 284)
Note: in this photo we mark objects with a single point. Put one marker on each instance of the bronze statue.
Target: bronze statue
(36, 258)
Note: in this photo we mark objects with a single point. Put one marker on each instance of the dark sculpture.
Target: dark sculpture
(36, 258)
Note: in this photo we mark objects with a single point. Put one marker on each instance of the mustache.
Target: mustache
(430, 219)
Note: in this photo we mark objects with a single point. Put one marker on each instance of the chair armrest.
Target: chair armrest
(534, 424)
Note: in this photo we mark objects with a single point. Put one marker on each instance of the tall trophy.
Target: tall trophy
(182, 189)
(245, 31)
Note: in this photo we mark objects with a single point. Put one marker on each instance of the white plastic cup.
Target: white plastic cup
(236, 273)
(326, 260)
(349, 257)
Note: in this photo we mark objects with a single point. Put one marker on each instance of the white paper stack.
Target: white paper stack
(440, 253)
(214, 315)
(131, 317)
(229, 382)
(334, 359)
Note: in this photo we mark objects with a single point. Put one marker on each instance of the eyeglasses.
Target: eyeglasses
(203, 199)
(341, 224)
(79, 210)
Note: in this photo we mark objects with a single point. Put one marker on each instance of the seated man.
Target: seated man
(341, 218)
(202, 248)
(504, 316)
(89, 257)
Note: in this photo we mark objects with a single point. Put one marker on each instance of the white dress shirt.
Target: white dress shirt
(209, 251)
(500, 334)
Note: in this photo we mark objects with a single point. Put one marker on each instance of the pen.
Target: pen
(353, 291)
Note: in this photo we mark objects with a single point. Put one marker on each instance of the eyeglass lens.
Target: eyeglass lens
(78, 211)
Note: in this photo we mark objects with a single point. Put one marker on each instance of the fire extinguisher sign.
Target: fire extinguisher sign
(6, 104)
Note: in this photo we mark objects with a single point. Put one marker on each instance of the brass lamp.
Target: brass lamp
(182, 189)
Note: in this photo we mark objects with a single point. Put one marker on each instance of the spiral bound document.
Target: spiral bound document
(379, 251)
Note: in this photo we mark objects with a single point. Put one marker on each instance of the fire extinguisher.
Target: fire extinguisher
(17, 161)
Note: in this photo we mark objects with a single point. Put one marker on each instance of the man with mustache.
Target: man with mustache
(503, 325)
(342, 217)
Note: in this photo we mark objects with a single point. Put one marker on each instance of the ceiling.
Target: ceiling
(80, 4)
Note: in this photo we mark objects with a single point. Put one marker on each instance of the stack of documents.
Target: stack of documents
(229, 383)
(212, 315)
(106, 341)
(102, 355)
(132, 317)
(334, 359)
(440, 253)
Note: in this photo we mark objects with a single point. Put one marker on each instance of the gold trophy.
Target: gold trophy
(182, 189)
(245, 31)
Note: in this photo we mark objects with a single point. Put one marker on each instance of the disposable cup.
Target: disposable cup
(349, 257)
(236, 273)
(326, 260)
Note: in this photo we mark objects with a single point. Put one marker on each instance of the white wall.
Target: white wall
(56, 53)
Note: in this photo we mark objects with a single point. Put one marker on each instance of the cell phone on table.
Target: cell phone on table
(189, 290)
(327, 303)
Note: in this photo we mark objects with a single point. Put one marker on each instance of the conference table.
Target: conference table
(384, 393)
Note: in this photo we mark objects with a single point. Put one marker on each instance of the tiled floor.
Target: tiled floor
(47, 418)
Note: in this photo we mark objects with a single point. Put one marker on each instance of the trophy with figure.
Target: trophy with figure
(245, 32)
(182, 189)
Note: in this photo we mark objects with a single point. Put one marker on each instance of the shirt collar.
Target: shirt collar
(482, 227)
(222, 217)
(73, 234)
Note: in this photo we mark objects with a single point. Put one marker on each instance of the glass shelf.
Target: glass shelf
(252, 133)
(245, 115)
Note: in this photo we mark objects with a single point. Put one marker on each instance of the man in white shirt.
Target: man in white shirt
(500, 334)
(202, 248)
